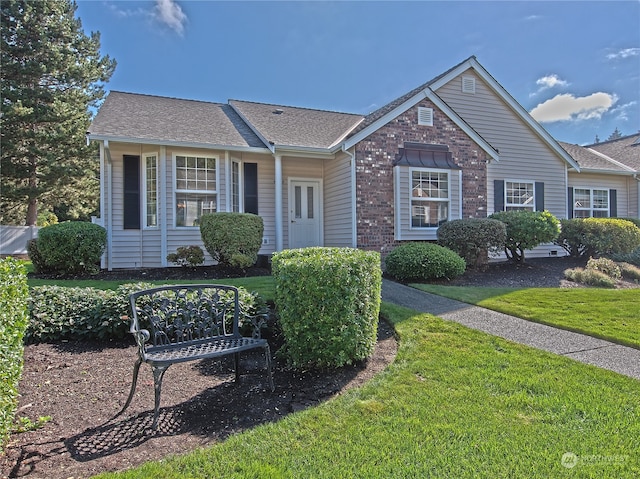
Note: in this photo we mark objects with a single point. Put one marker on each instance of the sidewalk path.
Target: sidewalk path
(604, 354)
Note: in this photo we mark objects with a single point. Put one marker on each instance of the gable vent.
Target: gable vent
(468, 85)
(425, 116)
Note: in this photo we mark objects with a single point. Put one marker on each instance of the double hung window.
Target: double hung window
(430, 198)
(196, 192)
(589, 202)
(519, 195)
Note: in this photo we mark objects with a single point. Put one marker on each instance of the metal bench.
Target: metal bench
(187, 323)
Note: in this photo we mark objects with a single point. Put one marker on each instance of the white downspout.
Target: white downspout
(354, 222)
(109, 202)
(278, 191)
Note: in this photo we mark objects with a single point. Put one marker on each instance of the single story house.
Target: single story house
(458, 146)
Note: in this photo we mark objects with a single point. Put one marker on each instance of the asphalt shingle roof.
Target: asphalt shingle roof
(587, 159)
(293, 126)
(626, 150)
(147, 117)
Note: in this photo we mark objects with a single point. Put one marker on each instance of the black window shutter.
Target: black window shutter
(131, 192)
(570, 202)
(613, 203)
(539, 193)
(251, 188)
(498, 195)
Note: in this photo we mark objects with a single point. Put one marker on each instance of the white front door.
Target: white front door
(304, 213)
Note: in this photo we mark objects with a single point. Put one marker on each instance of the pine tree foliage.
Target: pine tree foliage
(52, 74)
(615, 135)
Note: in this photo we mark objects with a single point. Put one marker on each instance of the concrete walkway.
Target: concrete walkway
(604, 354)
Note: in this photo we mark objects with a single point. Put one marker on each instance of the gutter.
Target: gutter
(182, 144)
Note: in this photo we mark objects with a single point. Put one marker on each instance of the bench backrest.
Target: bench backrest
(183, 313)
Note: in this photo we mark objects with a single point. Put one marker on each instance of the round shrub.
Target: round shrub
(606, 266)
(39, 265)
(232, 239)
(328, 301)
(473, 238)
(423, 261)
(187, 256)
(526, 230)
(72, 247)
(609, 236)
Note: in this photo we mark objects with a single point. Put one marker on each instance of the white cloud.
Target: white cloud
(547, 82)
(624, 53)
(621, 112)
(566, 107)
(170, 13)
(551, 81)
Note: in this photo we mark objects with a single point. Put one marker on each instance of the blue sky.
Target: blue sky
(574, 65)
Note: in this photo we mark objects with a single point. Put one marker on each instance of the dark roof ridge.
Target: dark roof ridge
(168, 97)
(296, 107)
(626, 137)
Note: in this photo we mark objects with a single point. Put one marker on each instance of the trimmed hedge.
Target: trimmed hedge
(526, 230)
(13, 322)
(232, 239)
(632, 258)
(607, 236)
(599, 236)
(71, 247)
(57, 312)
(328, 301)
(187, 256)
(473, 238)
(423, 261)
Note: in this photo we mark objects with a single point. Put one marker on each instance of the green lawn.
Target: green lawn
(603, 313)
(455, 403)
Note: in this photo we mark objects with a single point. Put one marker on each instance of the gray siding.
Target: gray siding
(523, 154)
(625, 186)
(338, 207)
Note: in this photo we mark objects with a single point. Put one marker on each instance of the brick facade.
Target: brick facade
(374, 158)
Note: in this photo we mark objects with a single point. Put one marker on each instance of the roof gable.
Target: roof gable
(296, 127)
(155, 119)
(625, 150)
(589, 159)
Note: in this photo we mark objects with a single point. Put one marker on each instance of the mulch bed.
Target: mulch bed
(82, 385)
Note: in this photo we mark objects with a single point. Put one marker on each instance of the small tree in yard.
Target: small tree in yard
(526, 230)
(232, 239)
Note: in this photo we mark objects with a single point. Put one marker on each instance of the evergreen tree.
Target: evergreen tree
(615, 135)
(597, 140)
(52, 73)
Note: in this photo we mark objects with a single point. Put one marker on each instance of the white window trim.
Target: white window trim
(519, 205)
(144, 191)
(591, 209)
(425, 116)
(440, 200)
(240, 164)
(203, 192)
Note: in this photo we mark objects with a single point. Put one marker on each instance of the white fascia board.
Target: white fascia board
(181, 144)
(383, 120)
(515, 106)
(607, 172)
(304, 151)
(611, 160)
(463, 125)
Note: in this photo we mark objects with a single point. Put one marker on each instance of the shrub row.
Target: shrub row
(328, 301)
(13, 321)
(603, 272)
(423, 261)
(598, 236)
(58, 312)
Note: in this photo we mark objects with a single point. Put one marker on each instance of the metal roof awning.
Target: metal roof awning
(424, 155)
